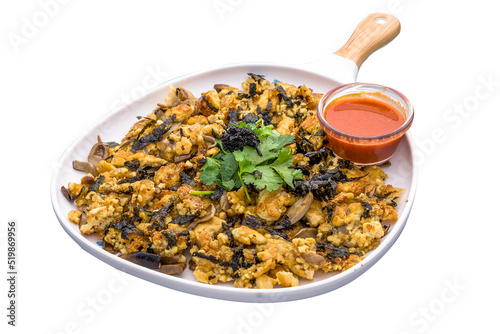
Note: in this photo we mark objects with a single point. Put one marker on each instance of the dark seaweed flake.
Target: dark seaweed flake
(257, 77)
(251, 118)
(97, 183)
(233, 115)
(161, 214)
(133, 165)
(183, 220)
(283, 96)
(111, 144)
(217, 194)
(154, 136)
(334, 251)
(251, 221)
(367, 207)
(252, 89)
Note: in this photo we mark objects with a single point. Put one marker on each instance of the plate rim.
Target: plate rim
(224, 292)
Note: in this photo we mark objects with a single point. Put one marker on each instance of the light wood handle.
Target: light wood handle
(371, 34)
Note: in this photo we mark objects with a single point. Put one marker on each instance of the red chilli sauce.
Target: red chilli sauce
(360, 115)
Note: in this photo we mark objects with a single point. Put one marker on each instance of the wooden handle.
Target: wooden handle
(371, 34)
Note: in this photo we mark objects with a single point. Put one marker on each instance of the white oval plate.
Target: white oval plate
(402, 174)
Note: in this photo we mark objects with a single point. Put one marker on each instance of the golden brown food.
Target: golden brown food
(149, 200)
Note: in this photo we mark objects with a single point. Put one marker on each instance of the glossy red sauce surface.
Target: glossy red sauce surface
(362, 116)
(367, 116)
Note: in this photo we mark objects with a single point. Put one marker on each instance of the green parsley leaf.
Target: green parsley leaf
(264, 177)
(282, 166)
(229, 166)
(210, 172)
(267, 170)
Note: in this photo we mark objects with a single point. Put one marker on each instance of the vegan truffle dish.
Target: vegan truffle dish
(237, 185)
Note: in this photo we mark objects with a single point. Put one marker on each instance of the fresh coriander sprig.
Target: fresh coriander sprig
(267, 165)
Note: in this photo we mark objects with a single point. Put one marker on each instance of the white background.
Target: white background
(64, 65)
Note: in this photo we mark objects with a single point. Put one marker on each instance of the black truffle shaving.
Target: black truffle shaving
(236, 138)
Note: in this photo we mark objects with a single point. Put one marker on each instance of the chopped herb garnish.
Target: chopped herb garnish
(263, 161)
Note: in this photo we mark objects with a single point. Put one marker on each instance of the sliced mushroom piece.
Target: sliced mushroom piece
(144, 259)
(299, 208)
(185, 95)
(210, 214)
(98, 152)
(86, 167)
(219, 87)
(307, 232)
(87, 180)
(172, 269)
(314, 259)
(170, 259)
(159, 112)
(192, 265)
(209, 141)
(224, 202)
(67, 194)
(83, 220)
(181, 158)
(108, 247)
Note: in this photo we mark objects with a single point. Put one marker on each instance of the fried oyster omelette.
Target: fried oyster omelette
(240, 181)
